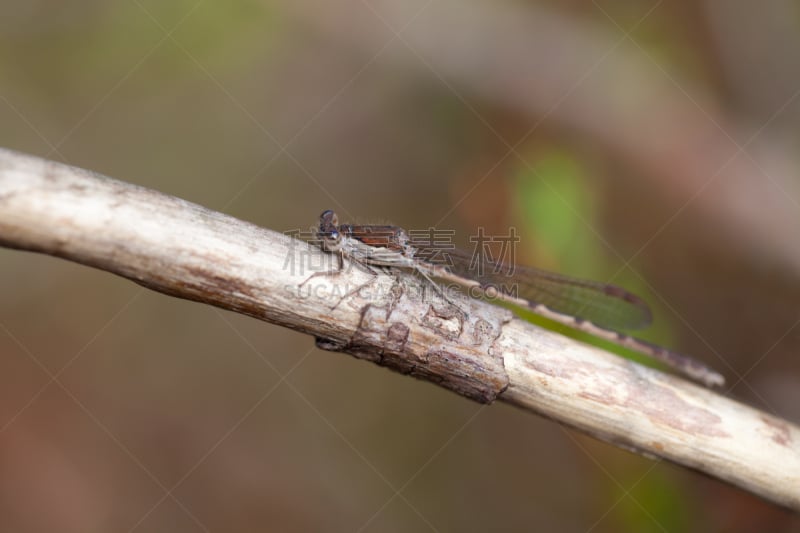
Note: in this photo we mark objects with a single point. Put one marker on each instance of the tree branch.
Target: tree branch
(481, 351)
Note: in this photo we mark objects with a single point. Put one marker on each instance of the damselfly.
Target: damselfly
(597, 308)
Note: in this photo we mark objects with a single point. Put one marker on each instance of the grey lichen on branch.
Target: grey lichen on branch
(471, 347)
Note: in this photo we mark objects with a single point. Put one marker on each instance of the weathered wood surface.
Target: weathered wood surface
(478, 350)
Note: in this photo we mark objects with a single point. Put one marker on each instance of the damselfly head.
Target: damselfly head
(328, 218)
(329, 231)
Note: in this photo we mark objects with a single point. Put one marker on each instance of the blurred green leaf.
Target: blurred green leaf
(654, 503)
(556, 202)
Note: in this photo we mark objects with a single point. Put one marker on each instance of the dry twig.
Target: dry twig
(484, 353)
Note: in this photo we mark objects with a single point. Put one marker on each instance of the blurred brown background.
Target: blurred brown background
(652, 144)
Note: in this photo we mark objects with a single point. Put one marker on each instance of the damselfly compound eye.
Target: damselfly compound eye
(328, 218)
